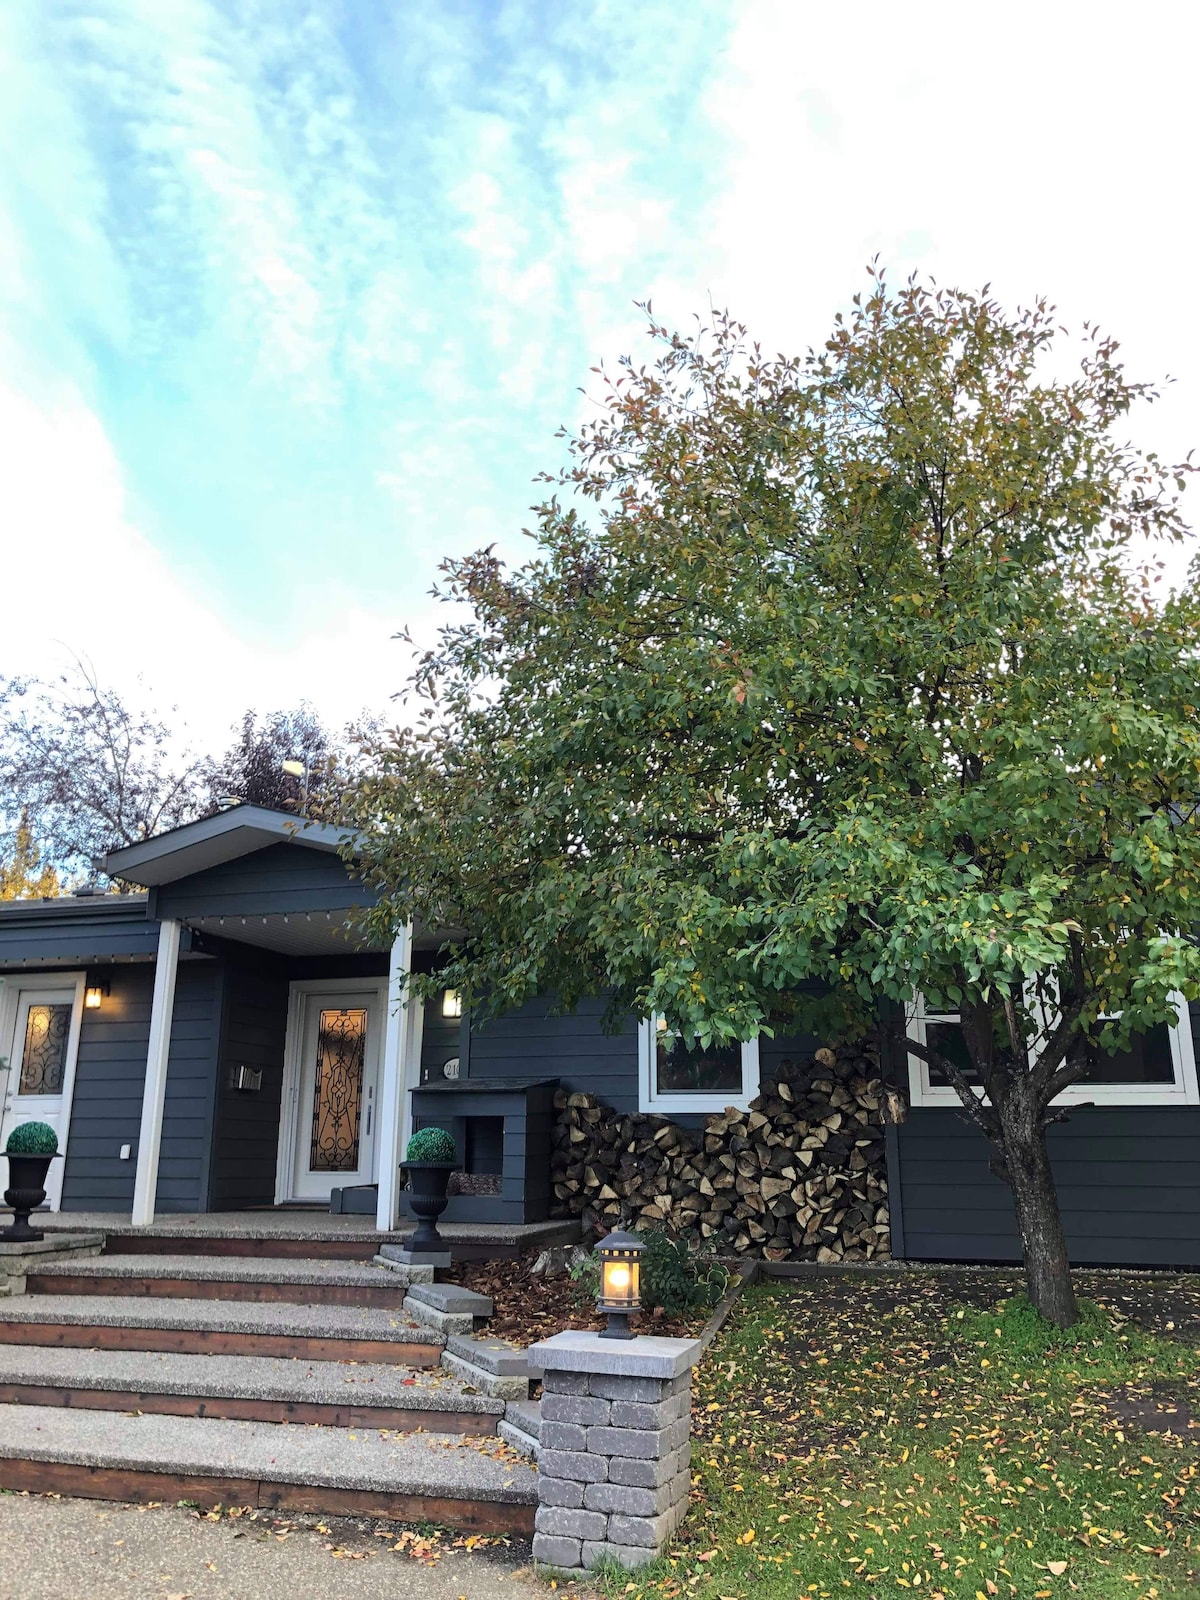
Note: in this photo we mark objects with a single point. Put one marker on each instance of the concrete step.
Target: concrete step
(187, 1277)
(493, 1366)
(468, 1483)
(521, 1426)
(246, 1388)
(446, 1307)
(223, 1327)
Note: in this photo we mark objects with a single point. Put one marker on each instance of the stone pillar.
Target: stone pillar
(613, 1447)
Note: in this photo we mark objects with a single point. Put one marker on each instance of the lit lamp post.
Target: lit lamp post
(620, 1282)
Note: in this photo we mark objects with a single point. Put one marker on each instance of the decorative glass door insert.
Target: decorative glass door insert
(44, 1056)
(338, 1090)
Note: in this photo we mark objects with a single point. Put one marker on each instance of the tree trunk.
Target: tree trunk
(1047, 1268)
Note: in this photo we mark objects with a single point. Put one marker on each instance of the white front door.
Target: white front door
(39, 1039)
(335, 1071)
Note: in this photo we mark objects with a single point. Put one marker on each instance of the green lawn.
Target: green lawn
(882, 1438)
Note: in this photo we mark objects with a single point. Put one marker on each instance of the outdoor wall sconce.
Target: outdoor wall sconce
(451, 1003)
(620, 1282)
(93, 997)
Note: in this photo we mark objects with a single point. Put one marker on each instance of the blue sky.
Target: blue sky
(294, 293)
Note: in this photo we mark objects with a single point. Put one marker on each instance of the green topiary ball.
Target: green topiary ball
(32, 1139)
(431, 1144)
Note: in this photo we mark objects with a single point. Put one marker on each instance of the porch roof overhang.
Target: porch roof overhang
(76, 930)
(215, 840)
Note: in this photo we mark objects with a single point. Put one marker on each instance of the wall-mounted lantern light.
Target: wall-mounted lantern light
(93, 997)
(620, 1282)
(451, 1003)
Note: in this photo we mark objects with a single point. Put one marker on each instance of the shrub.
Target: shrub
(675, 1275)
(32, 1139)
(431, 1144)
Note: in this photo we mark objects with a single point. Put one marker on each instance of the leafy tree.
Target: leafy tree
(23, 874)
(857, 675)
(88, 772)
(253, 768)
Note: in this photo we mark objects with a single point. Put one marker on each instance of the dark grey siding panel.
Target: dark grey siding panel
(58, 936)
(440, 1042)
(246, 1140)
(1128, 1183)
(109, 1079)
(282, 878)
(793, 1048)
(531, 1042)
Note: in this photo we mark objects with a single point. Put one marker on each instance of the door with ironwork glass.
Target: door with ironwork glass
(42, 1035)
(336, 1086)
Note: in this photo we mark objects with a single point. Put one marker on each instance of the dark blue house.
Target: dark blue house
(227, 1040)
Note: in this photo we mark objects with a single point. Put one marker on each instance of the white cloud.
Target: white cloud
(81, 579)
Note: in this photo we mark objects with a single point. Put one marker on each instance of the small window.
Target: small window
(679, 1077)
(1158, 1068)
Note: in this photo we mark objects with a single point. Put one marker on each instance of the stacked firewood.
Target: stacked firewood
(800, 1176)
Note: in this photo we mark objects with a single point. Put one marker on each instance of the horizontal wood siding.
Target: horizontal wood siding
(531, 1043)
(246, 1140)
(109, 1080)
(123, 933)
(282, 878)
(1128, 1182)
(439, 1042)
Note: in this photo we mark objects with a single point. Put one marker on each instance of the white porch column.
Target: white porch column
(397, 1040)
(154, 1095)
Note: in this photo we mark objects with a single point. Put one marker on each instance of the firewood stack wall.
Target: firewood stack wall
(800, 1176)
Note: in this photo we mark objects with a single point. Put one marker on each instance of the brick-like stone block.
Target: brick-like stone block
(561, 1492)
(629, 1501)
(648, 1474)
(630, 1556)
(638, 1474)
(555, 1550)
(564, 1382)
(574, 1524)
(562, 1435)
(650, 1532)
(584, 1409)
(578, 1464)
(646, 1444)
(637, 1414)
(647, 1391)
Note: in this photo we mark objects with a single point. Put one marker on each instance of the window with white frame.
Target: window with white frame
(678, 1077)
(1158, 1068)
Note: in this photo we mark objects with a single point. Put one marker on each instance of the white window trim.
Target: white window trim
(1183, 1092)
(649, 1099)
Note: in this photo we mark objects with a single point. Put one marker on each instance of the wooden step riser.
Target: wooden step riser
(382, 1297)
(139, 1487)
(262, 1249)
(239, 1408)
(222, 1342)
(288, 1249)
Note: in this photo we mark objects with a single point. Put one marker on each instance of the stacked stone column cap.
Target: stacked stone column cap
(613, 1462)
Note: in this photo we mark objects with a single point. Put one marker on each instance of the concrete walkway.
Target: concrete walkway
(67, 1549)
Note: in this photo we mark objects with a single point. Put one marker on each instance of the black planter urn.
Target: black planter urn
(427, 1185)
(26, 1191)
